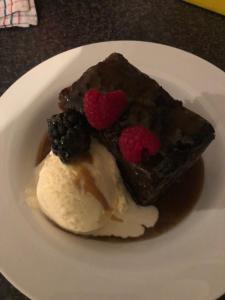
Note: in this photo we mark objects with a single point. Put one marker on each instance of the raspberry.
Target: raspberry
(102, 110)
(134, 140)
(69, 135)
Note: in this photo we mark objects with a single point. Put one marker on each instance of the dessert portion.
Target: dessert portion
(79, 186)
(176, 135)
(119, 129)
(88, 196)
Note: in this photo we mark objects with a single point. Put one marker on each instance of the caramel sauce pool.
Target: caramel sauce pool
(173, 206)
(179, 200)
(43, 149)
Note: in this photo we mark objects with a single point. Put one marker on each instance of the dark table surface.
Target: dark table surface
(65, 24)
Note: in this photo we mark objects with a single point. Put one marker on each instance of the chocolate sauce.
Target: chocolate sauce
(85, 179)
(43, 150)
(174, 206)
(86, 158)
(179, 200)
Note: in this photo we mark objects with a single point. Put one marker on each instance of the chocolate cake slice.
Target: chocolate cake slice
(184, 135)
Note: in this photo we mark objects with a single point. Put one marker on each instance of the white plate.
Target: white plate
(188, 262)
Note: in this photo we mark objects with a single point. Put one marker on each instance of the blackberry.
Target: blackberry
(69, 135)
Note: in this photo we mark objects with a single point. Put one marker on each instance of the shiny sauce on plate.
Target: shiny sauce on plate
(173, 206)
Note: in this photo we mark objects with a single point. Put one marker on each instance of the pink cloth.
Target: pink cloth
(20, 13)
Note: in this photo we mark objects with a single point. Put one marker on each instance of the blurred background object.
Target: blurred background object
(20, 13)
(214, 5)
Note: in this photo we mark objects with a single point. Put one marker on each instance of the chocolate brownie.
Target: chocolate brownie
(184, 135)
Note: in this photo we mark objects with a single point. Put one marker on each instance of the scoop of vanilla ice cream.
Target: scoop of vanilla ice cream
(81, 197)
(89, 197)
